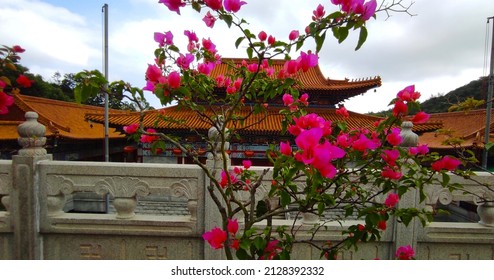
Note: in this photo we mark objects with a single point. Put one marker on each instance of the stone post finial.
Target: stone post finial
(31, 136)
(410, 138)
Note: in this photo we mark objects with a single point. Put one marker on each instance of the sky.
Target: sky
(444, 45)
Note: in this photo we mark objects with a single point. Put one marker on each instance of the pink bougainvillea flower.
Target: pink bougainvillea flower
(24, 81)
(391, 173)
(214, 4)
(5, 101)
(131, 129)
(408, 94)
(149, 138)
(253, 67)
(307, 60)
(173, 5)
(369, 9)
(323, 155)
(209, 46)
(163, 38)
(446, 163)
(293, 35)
(291, 67)
(394, 138)
(342, 111)
(232, 226)
(205, 68)
(153, 73)
(419, 150)
(391, 200)
(286, 148)
(247, 164)
(319, 12)
(271, 40)
(262, 36)
(420, 117)
(233, 6)
(405, 253)
(191, 35)
(174, 79)
(184, 61)
(18, 49)
(363, 143)
(304, 99)
(400, 108)
(272, 249)
(390, 156)
(381, 225)
(287, 99)
(224, 178)
(215, 237)
(209, 20)
(307, 140)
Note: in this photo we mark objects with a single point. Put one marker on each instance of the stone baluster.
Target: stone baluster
(406, 235)
(25, 196)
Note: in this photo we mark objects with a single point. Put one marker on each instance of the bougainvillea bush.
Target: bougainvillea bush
(325, 166)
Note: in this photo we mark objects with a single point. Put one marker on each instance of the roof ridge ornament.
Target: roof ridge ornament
(31, 136)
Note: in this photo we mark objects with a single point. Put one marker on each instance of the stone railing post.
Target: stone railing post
(25, 199)
(407, 235)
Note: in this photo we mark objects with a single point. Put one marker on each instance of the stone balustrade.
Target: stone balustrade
(36, 221)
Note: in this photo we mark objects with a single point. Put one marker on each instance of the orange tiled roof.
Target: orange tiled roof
(468, 126)
(64, 119)
(271, 125)
(314, 81)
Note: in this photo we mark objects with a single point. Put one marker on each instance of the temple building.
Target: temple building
(256, 133)
(69, 135)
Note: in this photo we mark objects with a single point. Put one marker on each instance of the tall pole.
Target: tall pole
(489, 101)
(105, 66)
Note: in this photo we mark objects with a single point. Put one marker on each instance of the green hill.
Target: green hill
(476, 89)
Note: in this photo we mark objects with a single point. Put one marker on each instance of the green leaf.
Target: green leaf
(362, 37)
(228, 19)
(343, 34)
(320, 41)
(446, 179)
(239, 41)
(249, 52)
(285, 199)
(261, 208)
(489, 145)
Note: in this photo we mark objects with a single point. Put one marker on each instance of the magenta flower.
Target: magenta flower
(362, 144)
(205, 68)
(390, 156)
(405, 253)
(215, 237)
(391, 173)
(232, 226)
(247, 164)
(342, 111)
(163, 38)
(18, 49)
(318, 13)
(391, 200)
(174, 79)
(286, 148)
(287, 99)
(5, 101)
(419, 150)
(214, 4)
(400, 108)
(369, 9)
(262, 36)
(209, 46)
(307, 61)
(408, 94)
(191, 35)
(149, 86)
(24, 81)
(271, 40)
(153, 73)
(233, 6)
(304, 99)
(209, 19)
(149, 138)
(291, 67)
(446, 163)
(184, 61)
(420, 117)
(323, 155)
(293, 35)
(173, 5)
(394, 138)
(131, 129)
(307, 140)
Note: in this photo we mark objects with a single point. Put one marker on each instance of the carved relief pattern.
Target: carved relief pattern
(156, 252)
(90, 251)
(122, 187)
(437, 193)
(5, 189)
